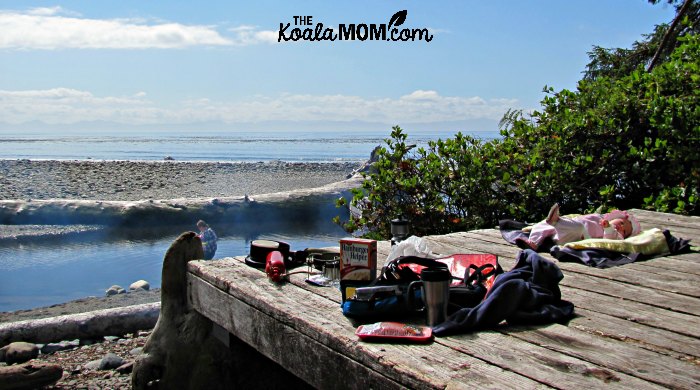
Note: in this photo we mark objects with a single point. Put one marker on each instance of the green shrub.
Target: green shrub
(619, 142)
(626, 143)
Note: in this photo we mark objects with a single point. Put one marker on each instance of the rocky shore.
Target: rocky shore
(104, 363)
(83, 305)
(138, 180)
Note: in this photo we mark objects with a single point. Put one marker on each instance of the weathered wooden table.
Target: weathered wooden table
(637, 326)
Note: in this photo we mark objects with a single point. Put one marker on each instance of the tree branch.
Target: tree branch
(669, 35)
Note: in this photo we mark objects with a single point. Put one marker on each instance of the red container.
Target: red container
(394, 331)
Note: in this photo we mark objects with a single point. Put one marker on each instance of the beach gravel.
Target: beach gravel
(83, 305)
(137, 180)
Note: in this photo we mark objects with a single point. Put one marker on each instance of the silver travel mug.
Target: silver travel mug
(435, 290)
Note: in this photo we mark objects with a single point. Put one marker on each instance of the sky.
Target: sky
(190, 65)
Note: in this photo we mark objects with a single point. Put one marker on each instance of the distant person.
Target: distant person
(208, 238)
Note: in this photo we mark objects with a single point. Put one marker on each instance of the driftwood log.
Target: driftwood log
(299, 206)
(29, 376)
(93, 324)
(181, 352)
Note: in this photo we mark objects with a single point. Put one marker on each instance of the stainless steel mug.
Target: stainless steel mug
(435, 290)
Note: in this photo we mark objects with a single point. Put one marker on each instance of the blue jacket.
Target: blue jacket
(527, 294)
(209, 239)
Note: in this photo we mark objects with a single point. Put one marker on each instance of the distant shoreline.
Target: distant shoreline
(140, 180)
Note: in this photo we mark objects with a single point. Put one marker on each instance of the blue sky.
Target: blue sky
(186, 63)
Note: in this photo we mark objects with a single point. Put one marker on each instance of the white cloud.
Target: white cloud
(44, 11)
(55, 93)
(249, 35)
(421, 95)
(65, 105)
(55, 28)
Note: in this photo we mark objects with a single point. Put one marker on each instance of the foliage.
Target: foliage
(624, 141)
(620, 62)
(627, 142)
(443, 188)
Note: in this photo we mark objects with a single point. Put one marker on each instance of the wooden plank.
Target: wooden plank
(299, 281)
(666, 264)
(632, 330)
(683, 232)
(299, 354)
(661, 312)
(671, 281)
(676, 373)
(614, 355)
(654, 217)
(623, 328)
(678, 346)
(550, 366)
(574, 278)
(659, 299)
(432, 366)
(637, 312)
(538, 363)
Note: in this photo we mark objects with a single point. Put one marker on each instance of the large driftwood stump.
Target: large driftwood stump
(181, 353)
(29, 376)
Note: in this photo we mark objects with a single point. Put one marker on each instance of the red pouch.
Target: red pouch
(394, 331)
(458, 264)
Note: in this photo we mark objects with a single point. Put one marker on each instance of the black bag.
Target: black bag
(387, 296)
(393, 301)
(472, 290)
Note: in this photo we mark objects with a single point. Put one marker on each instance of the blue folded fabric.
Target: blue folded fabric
(527, 294)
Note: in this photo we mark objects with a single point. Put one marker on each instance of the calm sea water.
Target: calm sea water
(45, 273)
(297, 146)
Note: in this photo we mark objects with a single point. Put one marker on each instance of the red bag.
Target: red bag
(462, 267)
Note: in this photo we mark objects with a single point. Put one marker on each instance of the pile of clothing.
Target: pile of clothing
(528, 295)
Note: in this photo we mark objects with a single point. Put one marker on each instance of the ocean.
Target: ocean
(291, 146)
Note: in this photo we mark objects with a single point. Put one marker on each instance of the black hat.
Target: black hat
(259, 249)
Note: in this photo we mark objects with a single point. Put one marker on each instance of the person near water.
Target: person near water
(208, 237)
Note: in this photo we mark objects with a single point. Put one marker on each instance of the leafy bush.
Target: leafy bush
(444, 188)
(629, 141)
(626, 142)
